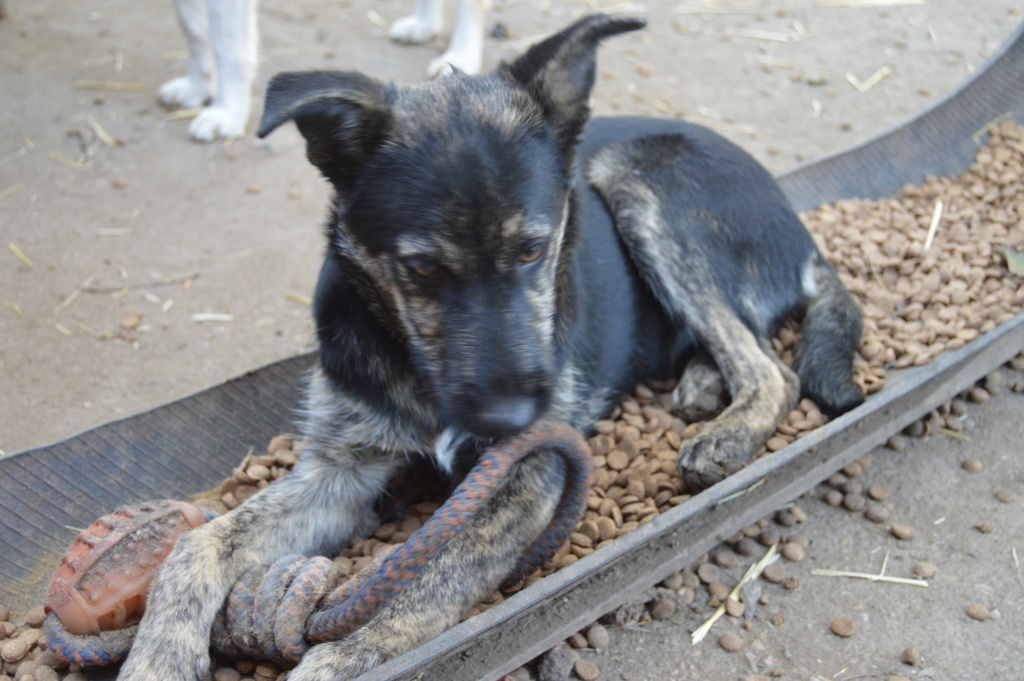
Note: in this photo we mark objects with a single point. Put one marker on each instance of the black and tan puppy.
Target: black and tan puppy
(486, 268)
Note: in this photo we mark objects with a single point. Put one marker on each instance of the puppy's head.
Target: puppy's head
(453, 198)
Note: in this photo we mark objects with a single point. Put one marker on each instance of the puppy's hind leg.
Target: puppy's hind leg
(832, 328)
(196, 88)
(658, 236)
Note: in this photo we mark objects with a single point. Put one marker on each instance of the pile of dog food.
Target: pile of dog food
(932, 269)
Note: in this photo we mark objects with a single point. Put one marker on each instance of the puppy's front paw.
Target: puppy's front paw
(216, 122)
(338, 661)
(413, 30)
(186, 92)
(716, 452)
(158, 660)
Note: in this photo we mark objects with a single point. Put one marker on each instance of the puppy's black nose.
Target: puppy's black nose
(504, 416)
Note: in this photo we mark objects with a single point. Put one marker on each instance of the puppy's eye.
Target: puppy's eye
(424, 269)
(532, 252)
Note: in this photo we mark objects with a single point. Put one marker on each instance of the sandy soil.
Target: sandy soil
(128, 243)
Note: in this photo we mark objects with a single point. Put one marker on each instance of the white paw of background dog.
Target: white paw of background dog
(414, 30)
(215, 122)
(186, 92)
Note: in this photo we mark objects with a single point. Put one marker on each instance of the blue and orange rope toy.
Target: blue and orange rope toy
(277, 612)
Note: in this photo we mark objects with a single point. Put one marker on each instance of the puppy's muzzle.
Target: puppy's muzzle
(504, 416)
(503, 407)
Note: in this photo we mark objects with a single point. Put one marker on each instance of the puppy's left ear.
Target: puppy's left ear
(559, 72)
(344, 117)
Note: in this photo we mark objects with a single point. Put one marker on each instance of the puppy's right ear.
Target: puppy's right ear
(344, 116)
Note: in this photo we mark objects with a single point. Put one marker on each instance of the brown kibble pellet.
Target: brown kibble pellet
(854, 502)
(843, 626)
(923, 568)
(910, 656)
(1006, 496)
(897, 443)
(833, 497)
(227, 674)
(851, 487)
(978, 395)
(769, 536)
(774, 573)
(663, 608)
(587, 671)
(35, 617)
(896, 677)
(977, 611)
(730, 643)
(673, 581)
(726, 559)
(972, 465)
(876, 513)
(778, 619)
(266, 671)
(901, 531)
(597, 636)
(577, 640)
(746, 547)
(617, 460)
(734, 607)
(878, 492)
(793, 552)
(14, 649)
(719, 590)
(785, 518)
(709, 573)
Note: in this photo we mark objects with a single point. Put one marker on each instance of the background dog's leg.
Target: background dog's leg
(196, 88)
(423, 24)
(471, 566)
(234, 37)
(326, 498)
(466, 50)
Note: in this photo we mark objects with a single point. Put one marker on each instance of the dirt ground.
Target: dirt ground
(129, 243)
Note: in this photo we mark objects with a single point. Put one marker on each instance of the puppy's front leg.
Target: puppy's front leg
(471, 566)
(326, 498)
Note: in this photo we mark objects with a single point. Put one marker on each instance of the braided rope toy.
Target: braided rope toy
(276, 612)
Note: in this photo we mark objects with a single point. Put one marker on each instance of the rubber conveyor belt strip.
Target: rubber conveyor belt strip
(46, 492)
